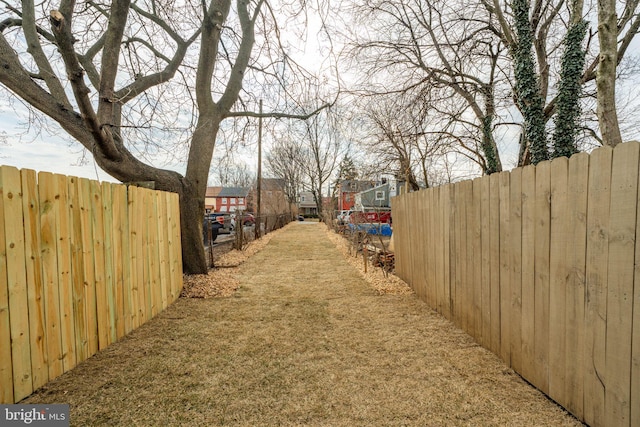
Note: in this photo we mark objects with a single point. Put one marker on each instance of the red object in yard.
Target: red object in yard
(382, 217)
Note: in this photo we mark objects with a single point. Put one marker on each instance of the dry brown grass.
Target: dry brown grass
(304, 341)
(384, 284)
(222, 281)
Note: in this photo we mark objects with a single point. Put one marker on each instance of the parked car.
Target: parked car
(218, 223)
(344, 216)
(247, 220)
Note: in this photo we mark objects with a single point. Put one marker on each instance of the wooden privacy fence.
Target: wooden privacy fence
(539, 265)
(82, 263)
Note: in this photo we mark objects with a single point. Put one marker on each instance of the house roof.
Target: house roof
(273, 184)
(354, 186)
(233, 192)
(213, 191)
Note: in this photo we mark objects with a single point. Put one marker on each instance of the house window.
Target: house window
(223, 209)
(379, 195)
(302, 199)
(241, 200)
(353, 186)
(224, 200)
(233, 200)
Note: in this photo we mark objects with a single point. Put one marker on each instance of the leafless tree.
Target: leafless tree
(321, 152)
(439, 50)
(461, 55)
(233, 173)
(284, 160)
(400, 138)
(119, 76)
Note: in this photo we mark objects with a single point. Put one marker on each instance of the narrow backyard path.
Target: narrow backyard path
(305, 341)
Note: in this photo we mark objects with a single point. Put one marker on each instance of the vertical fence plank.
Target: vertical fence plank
(14, 248)
(119, 211)
(469, 260)
(176, 260)
(494, 260)
(35, 286)
(77, 259)
(575, 297)
(505, 269)
(88, 266)
(128, 279)
(558, 246)
(476, 233)
(485, 244)
(634, 402)
(421, 248)
(445, 305)
(148, 257)
(110, 260)
(6, 368)
(433, 286)
(597, 262)
(136, 212)
(624, 192)
(542, 243)
(47, 189)
(398, 234)
(456, 278)
(436, 225)
(135, 254)
(451, 206)
(461, 269)
(515, 263)
(528, 272)
(97, 225)
(154, 257)
(65, 283)
(163, 232)
(408, 258)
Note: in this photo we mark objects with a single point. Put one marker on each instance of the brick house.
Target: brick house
(210, 198)
(226, 199)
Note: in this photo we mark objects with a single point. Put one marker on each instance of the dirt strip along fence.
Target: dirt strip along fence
(82, 263)
(541, 265)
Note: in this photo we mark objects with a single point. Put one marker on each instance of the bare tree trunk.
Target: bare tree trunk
(606, 75)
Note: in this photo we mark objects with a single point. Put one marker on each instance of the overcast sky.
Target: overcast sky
(28, 150)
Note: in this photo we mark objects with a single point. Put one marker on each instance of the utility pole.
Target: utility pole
(259, 183)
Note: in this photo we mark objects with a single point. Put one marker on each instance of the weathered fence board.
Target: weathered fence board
(81, 265)
(622, 235)
(597, 266)
(515, 265)
(558, 246)
(575, 290)
(539, 266)
(35, 285)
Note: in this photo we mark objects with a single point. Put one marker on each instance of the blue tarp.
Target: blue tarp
(373, 228)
